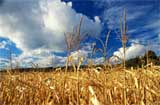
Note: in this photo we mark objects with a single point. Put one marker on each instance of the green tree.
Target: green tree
(151, 54)
(134, 62)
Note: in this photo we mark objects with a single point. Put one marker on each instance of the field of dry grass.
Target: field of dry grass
(91, 87)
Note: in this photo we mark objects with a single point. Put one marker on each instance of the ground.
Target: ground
(86, 87)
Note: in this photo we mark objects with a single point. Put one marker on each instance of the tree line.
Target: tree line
(139, 61)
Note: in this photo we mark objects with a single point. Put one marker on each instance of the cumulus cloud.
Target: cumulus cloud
(97, 19)
(69, 4)
(46, 58)
(39, 57)
(3, 44)
(98, 60)
(41, 24)
(84, 51)
(132, 51)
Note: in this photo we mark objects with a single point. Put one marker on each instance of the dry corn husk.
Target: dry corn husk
(93, 98)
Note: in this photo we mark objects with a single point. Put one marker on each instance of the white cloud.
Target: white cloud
(69, 4)
(3, 44)
(84, 52)
(42, 58)
(39, 57)
(132, 51)
(98, 60)
(97, 19)
(46, 58)
(80, 53)
(41, 24)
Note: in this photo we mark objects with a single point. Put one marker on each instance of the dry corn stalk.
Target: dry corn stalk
(93, 98)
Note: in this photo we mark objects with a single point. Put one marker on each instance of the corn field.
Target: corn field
(94, 86)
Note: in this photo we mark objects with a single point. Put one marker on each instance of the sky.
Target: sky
(32, 31)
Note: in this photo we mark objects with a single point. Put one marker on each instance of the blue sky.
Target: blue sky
(33, 30)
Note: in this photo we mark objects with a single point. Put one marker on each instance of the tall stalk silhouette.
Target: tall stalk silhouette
(123, 29)
(104, 50)
(73, 40)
